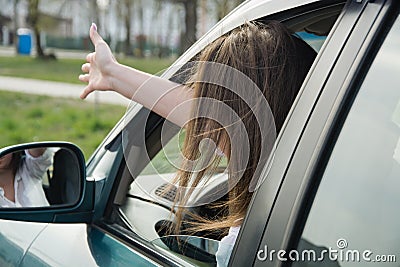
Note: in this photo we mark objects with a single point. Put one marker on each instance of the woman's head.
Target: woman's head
(276, 63)
(5, 161)
(10, 162)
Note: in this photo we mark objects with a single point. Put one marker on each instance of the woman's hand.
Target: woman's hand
(99, 65)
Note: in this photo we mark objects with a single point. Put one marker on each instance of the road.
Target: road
(58, 89)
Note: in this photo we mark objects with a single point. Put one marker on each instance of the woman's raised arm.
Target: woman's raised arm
(104, 73)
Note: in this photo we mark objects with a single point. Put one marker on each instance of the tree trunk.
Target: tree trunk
(189, 36)
(223, 9)
(141, 39)
(225, 6)
(39, 49)
(238, 2)
(16, 25)
(127, 21)
(33, 18)
(94, 10)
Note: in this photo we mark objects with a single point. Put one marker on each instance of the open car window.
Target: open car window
(148, 191)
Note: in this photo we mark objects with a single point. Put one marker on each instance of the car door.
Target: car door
(15, 240)
(336, 187)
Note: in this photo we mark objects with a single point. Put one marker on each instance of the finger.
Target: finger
(86, 92)
(89, 57)
(94, 35)
(85, 67)
(84, 78)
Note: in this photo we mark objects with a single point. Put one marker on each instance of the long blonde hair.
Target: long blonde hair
(277, 63)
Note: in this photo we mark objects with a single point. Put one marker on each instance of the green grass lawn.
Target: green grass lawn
(29, 118)
(67, 70)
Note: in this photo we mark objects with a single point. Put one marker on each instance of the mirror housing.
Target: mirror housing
(61, 208)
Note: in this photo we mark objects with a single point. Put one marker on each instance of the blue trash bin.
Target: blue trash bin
(24, 41)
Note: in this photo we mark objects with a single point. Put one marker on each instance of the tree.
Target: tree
(225, 6)
(190, 7)
(127, 21)
(94, 8)
(189, 35)
(33, 21)
(238, 2)
(222, 8)
(16, 25)
(125, 12)
(190, 23)
(141, 38)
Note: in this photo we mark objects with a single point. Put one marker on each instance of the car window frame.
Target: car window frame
(297, 184)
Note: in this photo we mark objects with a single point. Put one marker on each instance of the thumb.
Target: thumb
(94, 35)
(87, 90)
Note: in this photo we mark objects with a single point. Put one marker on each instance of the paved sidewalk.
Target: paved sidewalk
(9, 51)
(58, 89)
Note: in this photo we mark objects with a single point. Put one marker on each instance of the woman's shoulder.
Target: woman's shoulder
(231, 237)
(226, 246)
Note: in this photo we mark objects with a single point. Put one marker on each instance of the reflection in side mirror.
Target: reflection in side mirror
(39, 176)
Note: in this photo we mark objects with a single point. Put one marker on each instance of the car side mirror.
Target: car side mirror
(45, 182)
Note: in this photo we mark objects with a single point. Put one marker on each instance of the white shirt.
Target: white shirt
(225, 247)
(226, 244)
(28, 182)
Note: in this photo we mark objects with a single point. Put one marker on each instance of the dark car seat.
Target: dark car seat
(65, 183)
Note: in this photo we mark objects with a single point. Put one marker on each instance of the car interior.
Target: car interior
(143, 202)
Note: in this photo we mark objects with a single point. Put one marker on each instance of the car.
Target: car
(330, 190)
